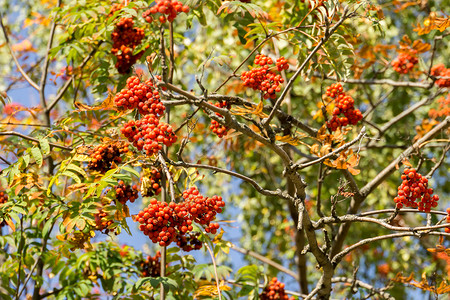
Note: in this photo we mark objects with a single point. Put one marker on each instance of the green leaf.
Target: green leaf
(18, 209)
(26, 160)
(81, 157)
(72, 175)
(46, 228)
(76, 169)
(37, 155)
(44, 146)
(132, 171)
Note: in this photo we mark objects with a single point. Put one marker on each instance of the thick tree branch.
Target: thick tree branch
(168, 176)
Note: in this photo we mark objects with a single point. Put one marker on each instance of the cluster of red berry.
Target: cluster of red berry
(405, 62)
(101, 223)
(162, 221)
(103, 156)
(344, 105)
(189, 241)
(142, 96)
(149, 134)
(202, 209)
(443, 109)
(125, 39)
(441, 71)
(3, 197)
(415, 187)
(274, 291)
(170, 8)
(216, 127)
(262, 78)
(447, 229)
(126, 192)
(154, 184)
(151, 267)
(282, 64)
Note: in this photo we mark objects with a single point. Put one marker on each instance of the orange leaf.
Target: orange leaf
(353, 171)
(108, 103)
(420, 46)
(406, 162)
(10, 224)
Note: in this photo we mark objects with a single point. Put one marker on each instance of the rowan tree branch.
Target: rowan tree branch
(439, 163)
(400, 211)
(364, 285)
(406, 112)
(265, 260)
(19, 67)
(377, 180)
(168, 176)
(66, 86)
(355, 218)
(261, 190)
(323, 40)
(336, 258)
(34, 139)
(333, 153)
(381, 82)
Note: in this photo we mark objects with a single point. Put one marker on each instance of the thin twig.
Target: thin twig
(25, 76)
(69, 81)
(333, 153)
(356, 218)
(347, 250)
(34, 139)
(382, 82)
(303, 65)
(439, 163)
(265, 260)
(215, 270)
(277, 193)
(362, 284)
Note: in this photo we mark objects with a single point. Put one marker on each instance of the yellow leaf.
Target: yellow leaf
(325, 150)
(253, 110)
(81, 223)
(407, 40)
(208, 289)
(218, 237)
(315, 149)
